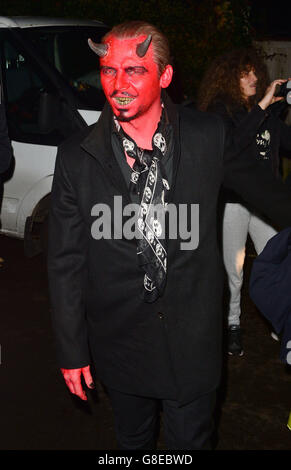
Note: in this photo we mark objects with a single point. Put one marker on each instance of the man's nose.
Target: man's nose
(121, 80)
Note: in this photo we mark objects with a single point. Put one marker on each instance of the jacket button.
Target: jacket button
(161, 315)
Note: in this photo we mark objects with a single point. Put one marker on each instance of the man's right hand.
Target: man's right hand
(73, 380)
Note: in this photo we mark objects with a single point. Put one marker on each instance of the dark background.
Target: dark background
(198, 30)
(271, 18)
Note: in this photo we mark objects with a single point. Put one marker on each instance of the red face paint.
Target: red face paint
(131, 83)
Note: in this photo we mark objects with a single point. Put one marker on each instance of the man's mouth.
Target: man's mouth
(123, 100)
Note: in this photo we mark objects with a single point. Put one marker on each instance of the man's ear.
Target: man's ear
(166, 77)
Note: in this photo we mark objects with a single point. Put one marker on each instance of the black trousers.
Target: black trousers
(187, 427)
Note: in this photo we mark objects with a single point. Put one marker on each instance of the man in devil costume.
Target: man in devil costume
(146, 311)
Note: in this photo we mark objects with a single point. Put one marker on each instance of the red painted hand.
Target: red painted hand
(73, 380)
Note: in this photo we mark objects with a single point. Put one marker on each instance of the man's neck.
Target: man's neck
(142, 129)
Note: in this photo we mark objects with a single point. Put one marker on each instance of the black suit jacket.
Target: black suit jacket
(171, 348)
(269, 287)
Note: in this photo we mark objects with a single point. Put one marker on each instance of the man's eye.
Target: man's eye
(108, 71)
(135, 70)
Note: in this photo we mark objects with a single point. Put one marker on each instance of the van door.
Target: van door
(38, 119)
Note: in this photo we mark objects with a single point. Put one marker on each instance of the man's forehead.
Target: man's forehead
(120, 50)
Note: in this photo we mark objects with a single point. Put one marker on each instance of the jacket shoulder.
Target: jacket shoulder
(72, 144)
(206, 128)
(70, 153)
(201, 119)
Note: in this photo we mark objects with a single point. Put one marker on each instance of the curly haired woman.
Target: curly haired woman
(235, 86)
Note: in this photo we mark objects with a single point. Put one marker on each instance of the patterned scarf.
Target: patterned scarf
(149, 182)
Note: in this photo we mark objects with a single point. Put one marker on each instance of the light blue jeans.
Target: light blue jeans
(238, 222)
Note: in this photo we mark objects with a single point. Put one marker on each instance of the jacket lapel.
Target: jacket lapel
(174, 118)
(98, 145)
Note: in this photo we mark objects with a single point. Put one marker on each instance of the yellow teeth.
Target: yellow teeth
(123, 100)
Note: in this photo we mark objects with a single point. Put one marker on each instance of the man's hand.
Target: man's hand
(269, 97)
(73, 380)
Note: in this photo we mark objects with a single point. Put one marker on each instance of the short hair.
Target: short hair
(133, 29)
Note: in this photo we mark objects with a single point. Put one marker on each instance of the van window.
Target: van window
(66, 48)
(35, 112)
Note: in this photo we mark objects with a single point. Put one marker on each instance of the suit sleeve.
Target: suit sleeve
(243, 133)
(67, 271)
(269, 286)
(256, 184)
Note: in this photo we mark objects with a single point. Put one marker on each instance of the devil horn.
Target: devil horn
(99, 49)
(142, 48)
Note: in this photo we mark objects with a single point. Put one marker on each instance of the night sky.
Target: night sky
(273, 18)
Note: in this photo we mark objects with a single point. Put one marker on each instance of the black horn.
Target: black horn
(141, 49)
(99, 49)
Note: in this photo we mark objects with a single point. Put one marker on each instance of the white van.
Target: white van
(51, 89)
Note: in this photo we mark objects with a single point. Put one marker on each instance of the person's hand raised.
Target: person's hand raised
(269, 97)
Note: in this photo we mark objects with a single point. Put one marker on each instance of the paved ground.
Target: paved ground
(37, 412)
